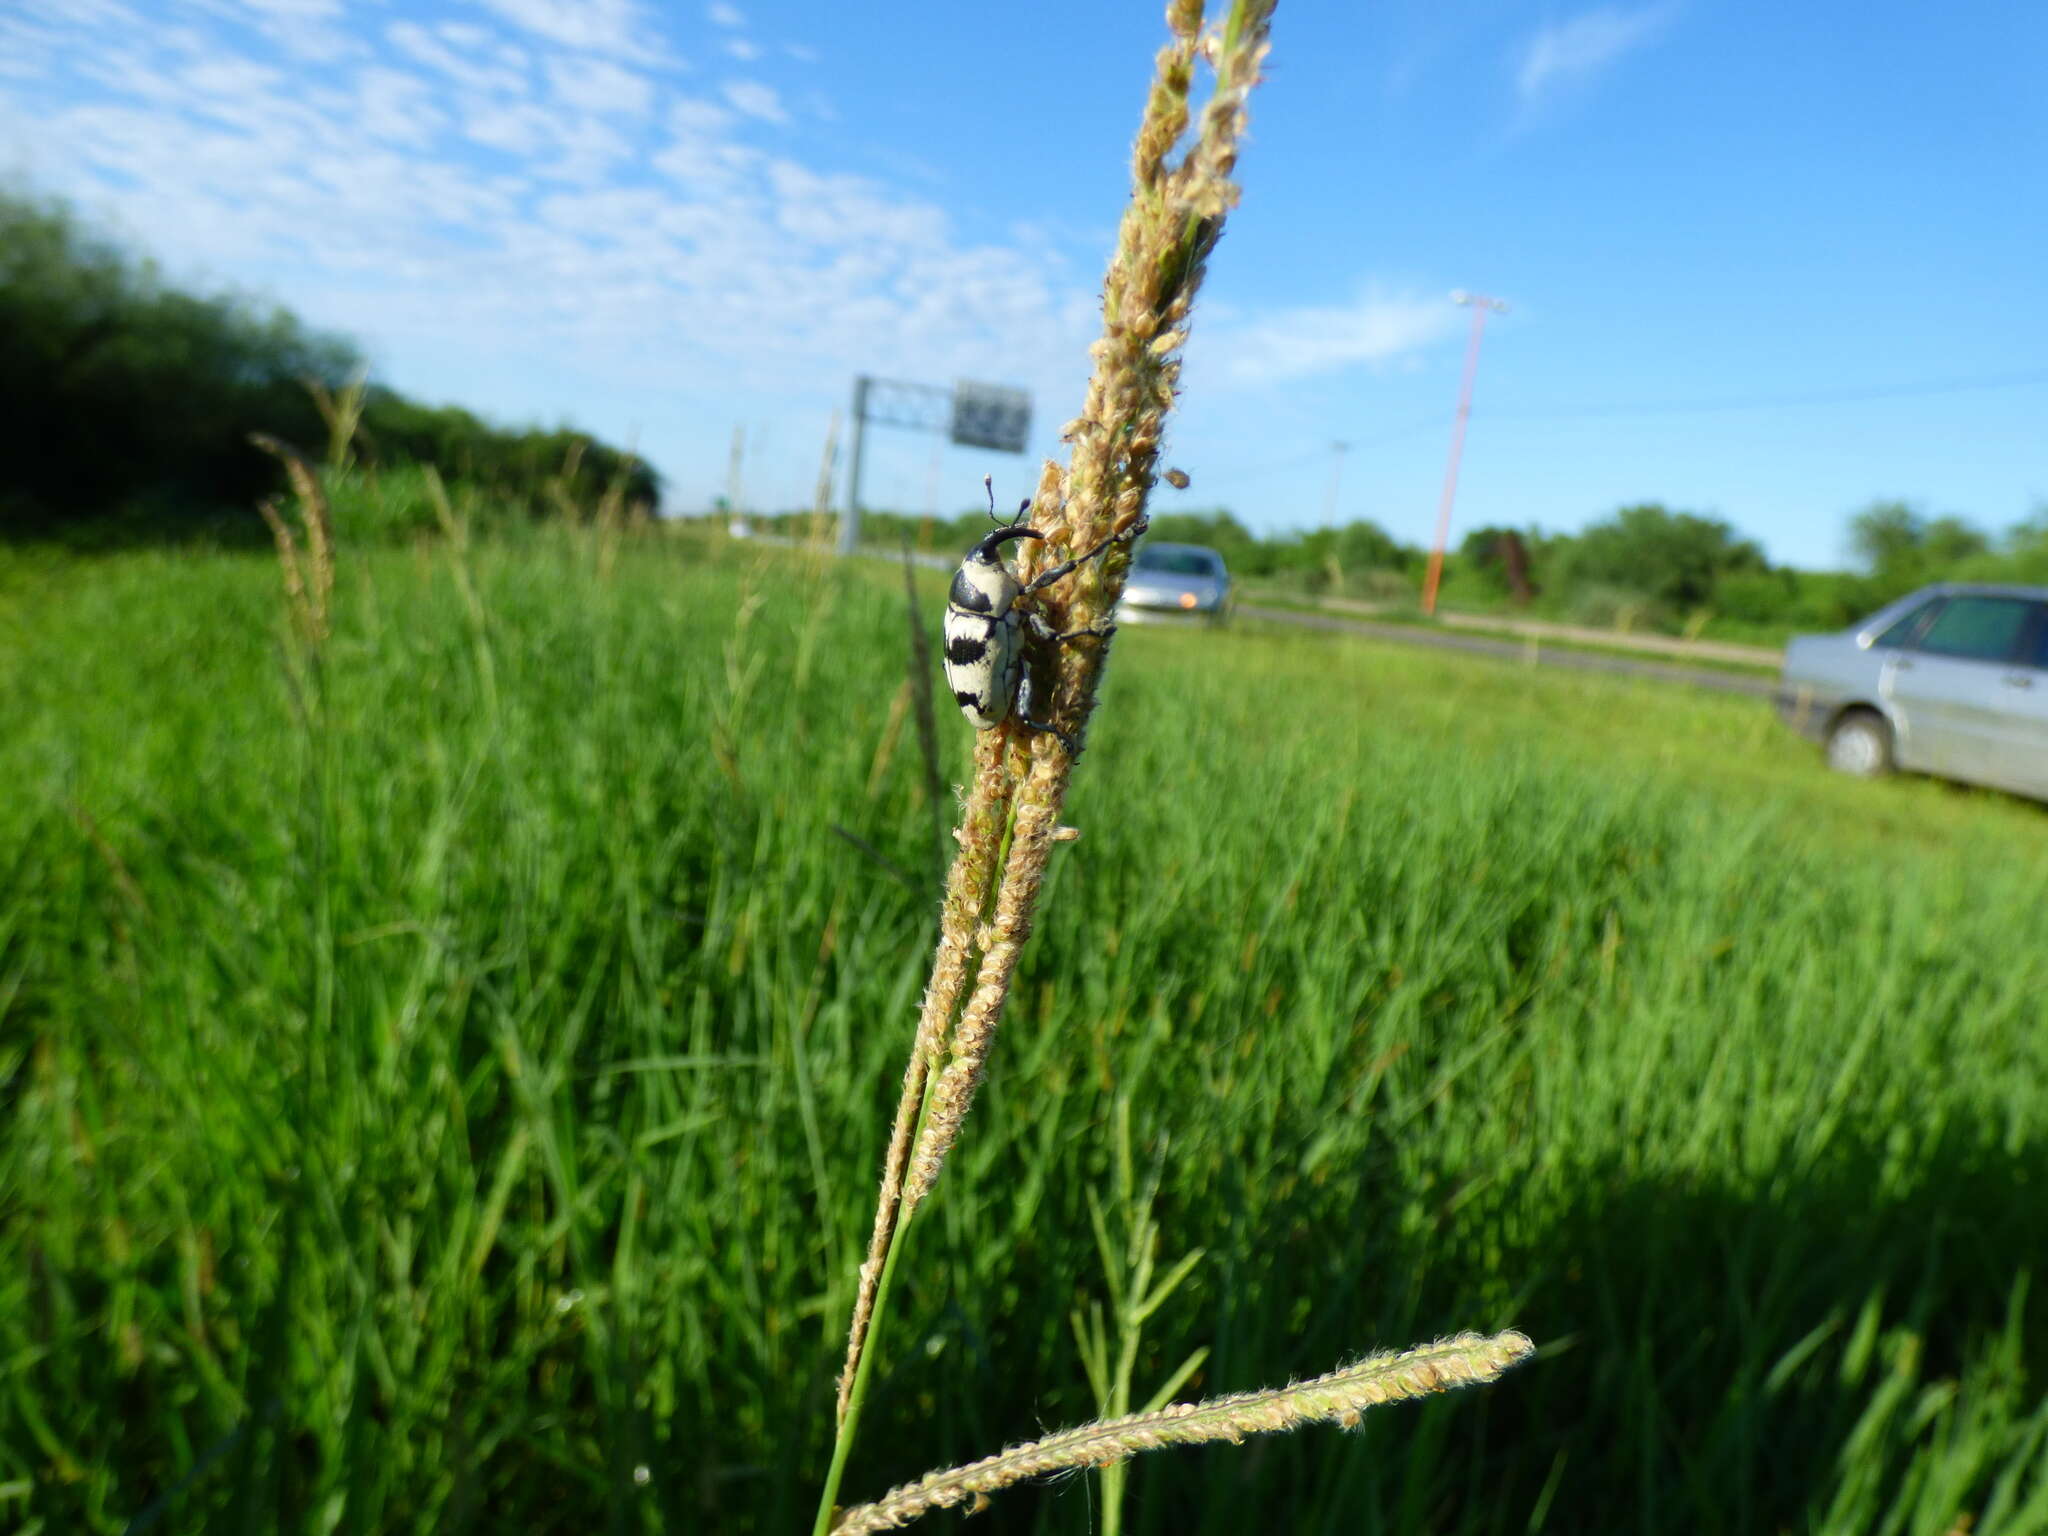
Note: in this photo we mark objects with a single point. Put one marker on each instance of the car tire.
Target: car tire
(1860, 745)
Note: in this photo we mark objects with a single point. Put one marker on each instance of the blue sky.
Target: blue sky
(1768, 262)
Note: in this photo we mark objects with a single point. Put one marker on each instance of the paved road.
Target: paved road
(1513, 650)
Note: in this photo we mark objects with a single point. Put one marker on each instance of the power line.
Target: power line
(1782, 402)
(1204, 480)
(1435, 420)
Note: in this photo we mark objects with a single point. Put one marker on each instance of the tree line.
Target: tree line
(1645, 567)
(1681, 571)
(127, 400)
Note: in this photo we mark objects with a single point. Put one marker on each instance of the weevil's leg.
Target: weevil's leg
(1047, 578)
(1100, 630)
(1022, 711)
(1050, 730)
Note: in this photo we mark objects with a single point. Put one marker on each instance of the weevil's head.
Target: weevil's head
(984, 583)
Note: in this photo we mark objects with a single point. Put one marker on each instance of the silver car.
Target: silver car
(1951, 681)
(1176, 581)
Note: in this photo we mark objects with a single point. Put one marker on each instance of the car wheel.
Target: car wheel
(1860, 745)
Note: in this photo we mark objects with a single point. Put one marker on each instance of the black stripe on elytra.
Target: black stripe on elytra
(965, 648)
(965, 594)
(966, 699)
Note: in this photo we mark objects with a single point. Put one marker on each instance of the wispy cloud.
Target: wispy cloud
(598, 85)
(1569, 53)
(596, 26)
(756, 100)
(1299, 343)
(458, 58)
(723, 15)
(482, 189)
(307, 29)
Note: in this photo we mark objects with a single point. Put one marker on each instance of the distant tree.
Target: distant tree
(1885, 536)
(1901, 549)
(120, 393)
(544, 473)
(2023, 554)
(115, 388)
(1360, 558)
(1366, 546)
(1672, 558)
(1950, 541)
(1217, 529)
(1504, 559)
(1756, 597)
(1895, 543)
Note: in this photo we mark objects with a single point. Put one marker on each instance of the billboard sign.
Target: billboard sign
(990, 416)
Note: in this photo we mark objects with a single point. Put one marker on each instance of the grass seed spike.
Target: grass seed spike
(990, 633)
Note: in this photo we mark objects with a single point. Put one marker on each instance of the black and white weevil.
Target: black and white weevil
(990, 631)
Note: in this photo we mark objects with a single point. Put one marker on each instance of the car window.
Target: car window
(2037, 648)
(1178, 562)
(1978, 628)
(1901, 631)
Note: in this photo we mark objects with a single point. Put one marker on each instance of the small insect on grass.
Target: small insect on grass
(991, 632)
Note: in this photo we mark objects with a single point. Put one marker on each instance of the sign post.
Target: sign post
(974, 415)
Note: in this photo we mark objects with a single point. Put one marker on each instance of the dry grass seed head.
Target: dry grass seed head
(1340, 1397)
(1020, 778)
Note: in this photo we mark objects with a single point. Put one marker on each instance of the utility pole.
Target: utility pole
(1336, 475)
(1481, 305)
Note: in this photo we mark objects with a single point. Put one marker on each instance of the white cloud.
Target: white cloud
(596, 26)
(473, 39)
(308, 29)
(803, 53)
(692, 115)
(1297, 343)
(723, 15)
(597, 85)
(458, 63)
(743, 50)
(397, 107)
(450, 198)
(1569, 53)
(289, 10)
(756, 100)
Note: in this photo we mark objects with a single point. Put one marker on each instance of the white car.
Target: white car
(1952, 681)
(1176, 581)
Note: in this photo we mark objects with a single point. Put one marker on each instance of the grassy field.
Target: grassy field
(446, 1096)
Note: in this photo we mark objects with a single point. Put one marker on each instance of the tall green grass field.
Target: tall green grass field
(442, 1081)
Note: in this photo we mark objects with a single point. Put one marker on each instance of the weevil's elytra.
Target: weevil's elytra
(990, 630)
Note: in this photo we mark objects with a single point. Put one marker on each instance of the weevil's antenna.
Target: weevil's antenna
(988, 483)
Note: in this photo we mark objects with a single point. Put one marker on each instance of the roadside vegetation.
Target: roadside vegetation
(129, 401)
(463, 1116)
(1644, 569)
